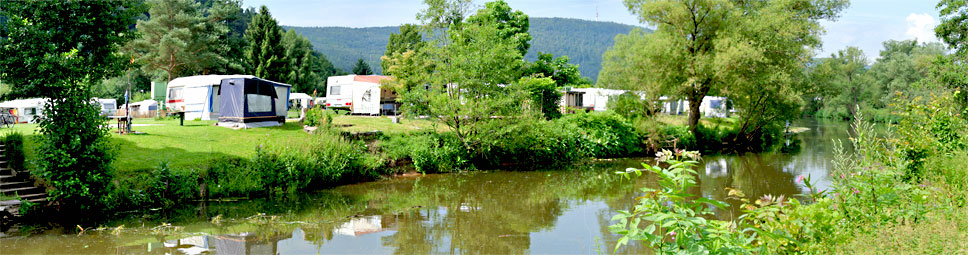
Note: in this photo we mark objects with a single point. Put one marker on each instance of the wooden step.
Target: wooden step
(21, 190)
(14, 184)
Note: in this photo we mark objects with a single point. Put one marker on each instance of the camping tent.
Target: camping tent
(252, 102)
(197, 96)
(302, 100)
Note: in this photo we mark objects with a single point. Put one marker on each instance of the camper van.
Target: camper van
(360, 94)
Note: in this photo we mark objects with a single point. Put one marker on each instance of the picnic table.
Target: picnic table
(123, 123)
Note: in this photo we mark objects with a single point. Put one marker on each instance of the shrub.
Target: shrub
(318, 117)
(159, 187)
(630, 105)
(606, 134)
(74, 155)
(530, 143)
(683, 138)
(14, 150)
(674, 222)
(430, 152)
(232, 177)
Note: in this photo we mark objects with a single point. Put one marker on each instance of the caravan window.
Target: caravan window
(175, 93)
(216, 98)
(334, 90)
(258, 103)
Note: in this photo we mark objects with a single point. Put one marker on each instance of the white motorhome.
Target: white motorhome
(197, 96)
(360, 94)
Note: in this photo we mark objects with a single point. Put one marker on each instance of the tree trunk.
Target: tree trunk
(694, 102)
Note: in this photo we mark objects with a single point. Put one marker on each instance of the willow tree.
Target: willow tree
(748, 50)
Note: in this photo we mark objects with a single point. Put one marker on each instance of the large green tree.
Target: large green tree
(57, 50)
(459, 77)
(732, 47)
(558, 69)
(511, 25)
(846, 80)
(622, 67)
(299, 62)
(952, 71)
(179, 39)
(900, 69)
(408, 39)
(265, 52)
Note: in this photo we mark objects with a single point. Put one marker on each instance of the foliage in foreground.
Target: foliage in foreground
(878, 186)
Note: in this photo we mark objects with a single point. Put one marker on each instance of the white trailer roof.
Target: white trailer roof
(299, 96)
(203, 80)
(31, 102)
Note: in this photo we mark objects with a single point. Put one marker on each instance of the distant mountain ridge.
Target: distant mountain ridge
(582, 41)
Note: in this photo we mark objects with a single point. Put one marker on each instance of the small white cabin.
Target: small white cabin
(361, 94)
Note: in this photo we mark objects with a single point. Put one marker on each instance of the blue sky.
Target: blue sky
(865, 24)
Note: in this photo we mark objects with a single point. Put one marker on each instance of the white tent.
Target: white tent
(302, 100)
(25, 110)
(197, 96)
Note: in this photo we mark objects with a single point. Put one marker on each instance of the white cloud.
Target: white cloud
(921, 27)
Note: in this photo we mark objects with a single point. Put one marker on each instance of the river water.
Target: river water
(495, 212)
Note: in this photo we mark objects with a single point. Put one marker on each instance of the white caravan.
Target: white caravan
(360, 94)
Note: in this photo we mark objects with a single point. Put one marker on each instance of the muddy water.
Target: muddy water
(502, 212)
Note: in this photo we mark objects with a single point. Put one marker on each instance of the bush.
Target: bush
(160, 187)
(605, 135)
(630, 105)
(318, 117)
(232, 177)
(530, 143)
(14, 151)
(683, 138)
(330, 159)
(430, 152)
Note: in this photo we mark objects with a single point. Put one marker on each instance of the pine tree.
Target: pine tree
(265, 53)
(178, 39)
(362, 68)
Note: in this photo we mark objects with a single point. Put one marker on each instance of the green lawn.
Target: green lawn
(196, 143)
(383, 123)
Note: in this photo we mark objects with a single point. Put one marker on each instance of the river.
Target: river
(495, 212)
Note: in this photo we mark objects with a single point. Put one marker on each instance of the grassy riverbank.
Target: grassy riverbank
(166, 163)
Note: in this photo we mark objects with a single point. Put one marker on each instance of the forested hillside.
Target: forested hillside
(581, 40)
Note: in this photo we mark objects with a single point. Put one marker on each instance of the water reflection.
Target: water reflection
(559, 212)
